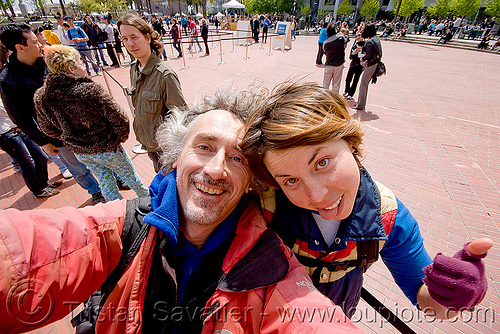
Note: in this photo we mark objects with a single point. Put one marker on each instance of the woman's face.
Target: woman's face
(322, 177)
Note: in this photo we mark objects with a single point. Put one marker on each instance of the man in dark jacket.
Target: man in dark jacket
(334, 48)
(23, 75)
(95, 42)
(158, 27)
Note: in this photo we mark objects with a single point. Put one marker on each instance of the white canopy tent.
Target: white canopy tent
(219, 14)
(233, 4)
(199, 15)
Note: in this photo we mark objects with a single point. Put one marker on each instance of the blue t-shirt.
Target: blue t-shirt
(322, 35)
(77, 33)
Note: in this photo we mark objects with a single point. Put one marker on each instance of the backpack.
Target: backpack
(102, 35)
(133, 234)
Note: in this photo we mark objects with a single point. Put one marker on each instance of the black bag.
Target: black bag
(380, 69)
(102, 35)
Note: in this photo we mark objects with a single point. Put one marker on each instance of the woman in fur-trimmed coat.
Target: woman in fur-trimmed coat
(78, 111)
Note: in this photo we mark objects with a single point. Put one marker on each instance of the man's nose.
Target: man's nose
(216, 167)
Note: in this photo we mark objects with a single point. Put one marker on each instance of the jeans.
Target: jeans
(31, 159)
(87, 57)
(58, 162)
(81, 173)
(194, 39)
(333, 74)
(98, 51)
(104, 164)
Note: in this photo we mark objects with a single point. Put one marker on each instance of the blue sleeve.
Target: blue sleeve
(404, 253)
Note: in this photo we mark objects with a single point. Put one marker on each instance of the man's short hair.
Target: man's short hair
(68, 18)
(12, 34)
(171, 135)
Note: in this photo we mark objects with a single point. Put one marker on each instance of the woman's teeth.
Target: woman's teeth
(334, 205)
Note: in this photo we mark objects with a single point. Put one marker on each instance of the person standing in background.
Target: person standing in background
(322, 38)
(155, 87)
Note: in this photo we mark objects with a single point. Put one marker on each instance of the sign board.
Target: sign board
(284, 38)
(244, 32)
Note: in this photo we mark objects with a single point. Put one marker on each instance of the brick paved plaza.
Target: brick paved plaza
(432, 135)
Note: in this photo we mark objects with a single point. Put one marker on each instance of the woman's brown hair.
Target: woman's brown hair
(298, 114)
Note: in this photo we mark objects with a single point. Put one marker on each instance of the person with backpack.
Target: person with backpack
(197, 257)
(95, 39)
(302, 142)
(372, 56)
(78, 39)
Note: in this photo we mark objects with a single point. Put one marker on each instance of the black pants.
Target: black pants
(111, 53)
(205, 40)
(264, 34)
(319, 57)
(351, 81)
(177, 46)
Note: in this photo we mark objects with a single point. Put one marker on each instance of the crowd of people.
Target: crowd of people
(260, 204)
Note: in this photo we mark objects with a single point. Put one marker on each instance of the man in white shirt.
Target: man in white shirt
(61, 33)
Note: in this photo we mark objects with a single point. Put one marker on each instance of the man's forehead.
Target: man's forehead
(214, 123)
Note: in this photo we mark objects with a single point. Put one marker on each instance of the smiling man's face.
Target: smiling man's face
(212, 174)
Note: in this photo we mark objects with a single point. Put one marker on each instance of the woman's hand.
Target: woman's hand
(459, 282)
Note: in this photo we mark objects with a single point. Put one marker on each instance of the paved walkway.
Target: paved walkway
(432, 135)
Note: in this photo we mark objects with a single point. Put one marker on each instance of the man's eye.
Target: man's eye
(203, 147)
(237, 159)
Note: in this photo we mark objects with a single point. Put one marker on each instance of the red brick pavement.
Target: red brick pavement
(432, 135)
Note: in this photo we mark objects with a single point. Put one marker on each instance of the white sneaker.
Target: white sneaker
(67, 174)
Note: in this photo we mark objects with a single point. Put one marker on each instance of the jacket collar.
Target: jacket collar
(150, 64)
(364, 223)
(35, 70)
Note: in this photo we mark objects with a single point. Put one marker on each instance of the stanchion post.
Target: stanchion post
(220, 51)
(233, 40)
(183, 55)
(262, 41)
(270, 49)
(246, 52)
(106, 80)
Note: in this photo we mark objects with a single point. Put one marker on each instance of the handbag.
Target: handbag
(381, 70)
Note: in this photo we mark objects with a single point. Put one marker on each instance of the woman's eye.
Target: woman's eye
(323, 163)
(291, 181)
(237, 159)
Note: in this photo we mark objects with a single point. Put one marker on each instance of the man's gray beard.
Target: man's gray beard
(204, 215)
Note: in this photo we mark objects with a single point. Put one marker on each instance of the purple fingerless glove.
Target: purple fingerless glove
(457, 282)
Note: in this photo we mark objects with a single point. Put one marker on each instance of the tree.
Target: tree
(39, 5)
(440, 9)
(344, 8)
(409, 7)
(493, 7)
(305, 10)
(88, 6)
(465, 7)
(7, 4)
(115, 5)
(370, 8)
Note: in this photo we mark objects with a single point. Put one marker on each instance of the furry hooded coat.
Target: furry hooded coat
(80, 113)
